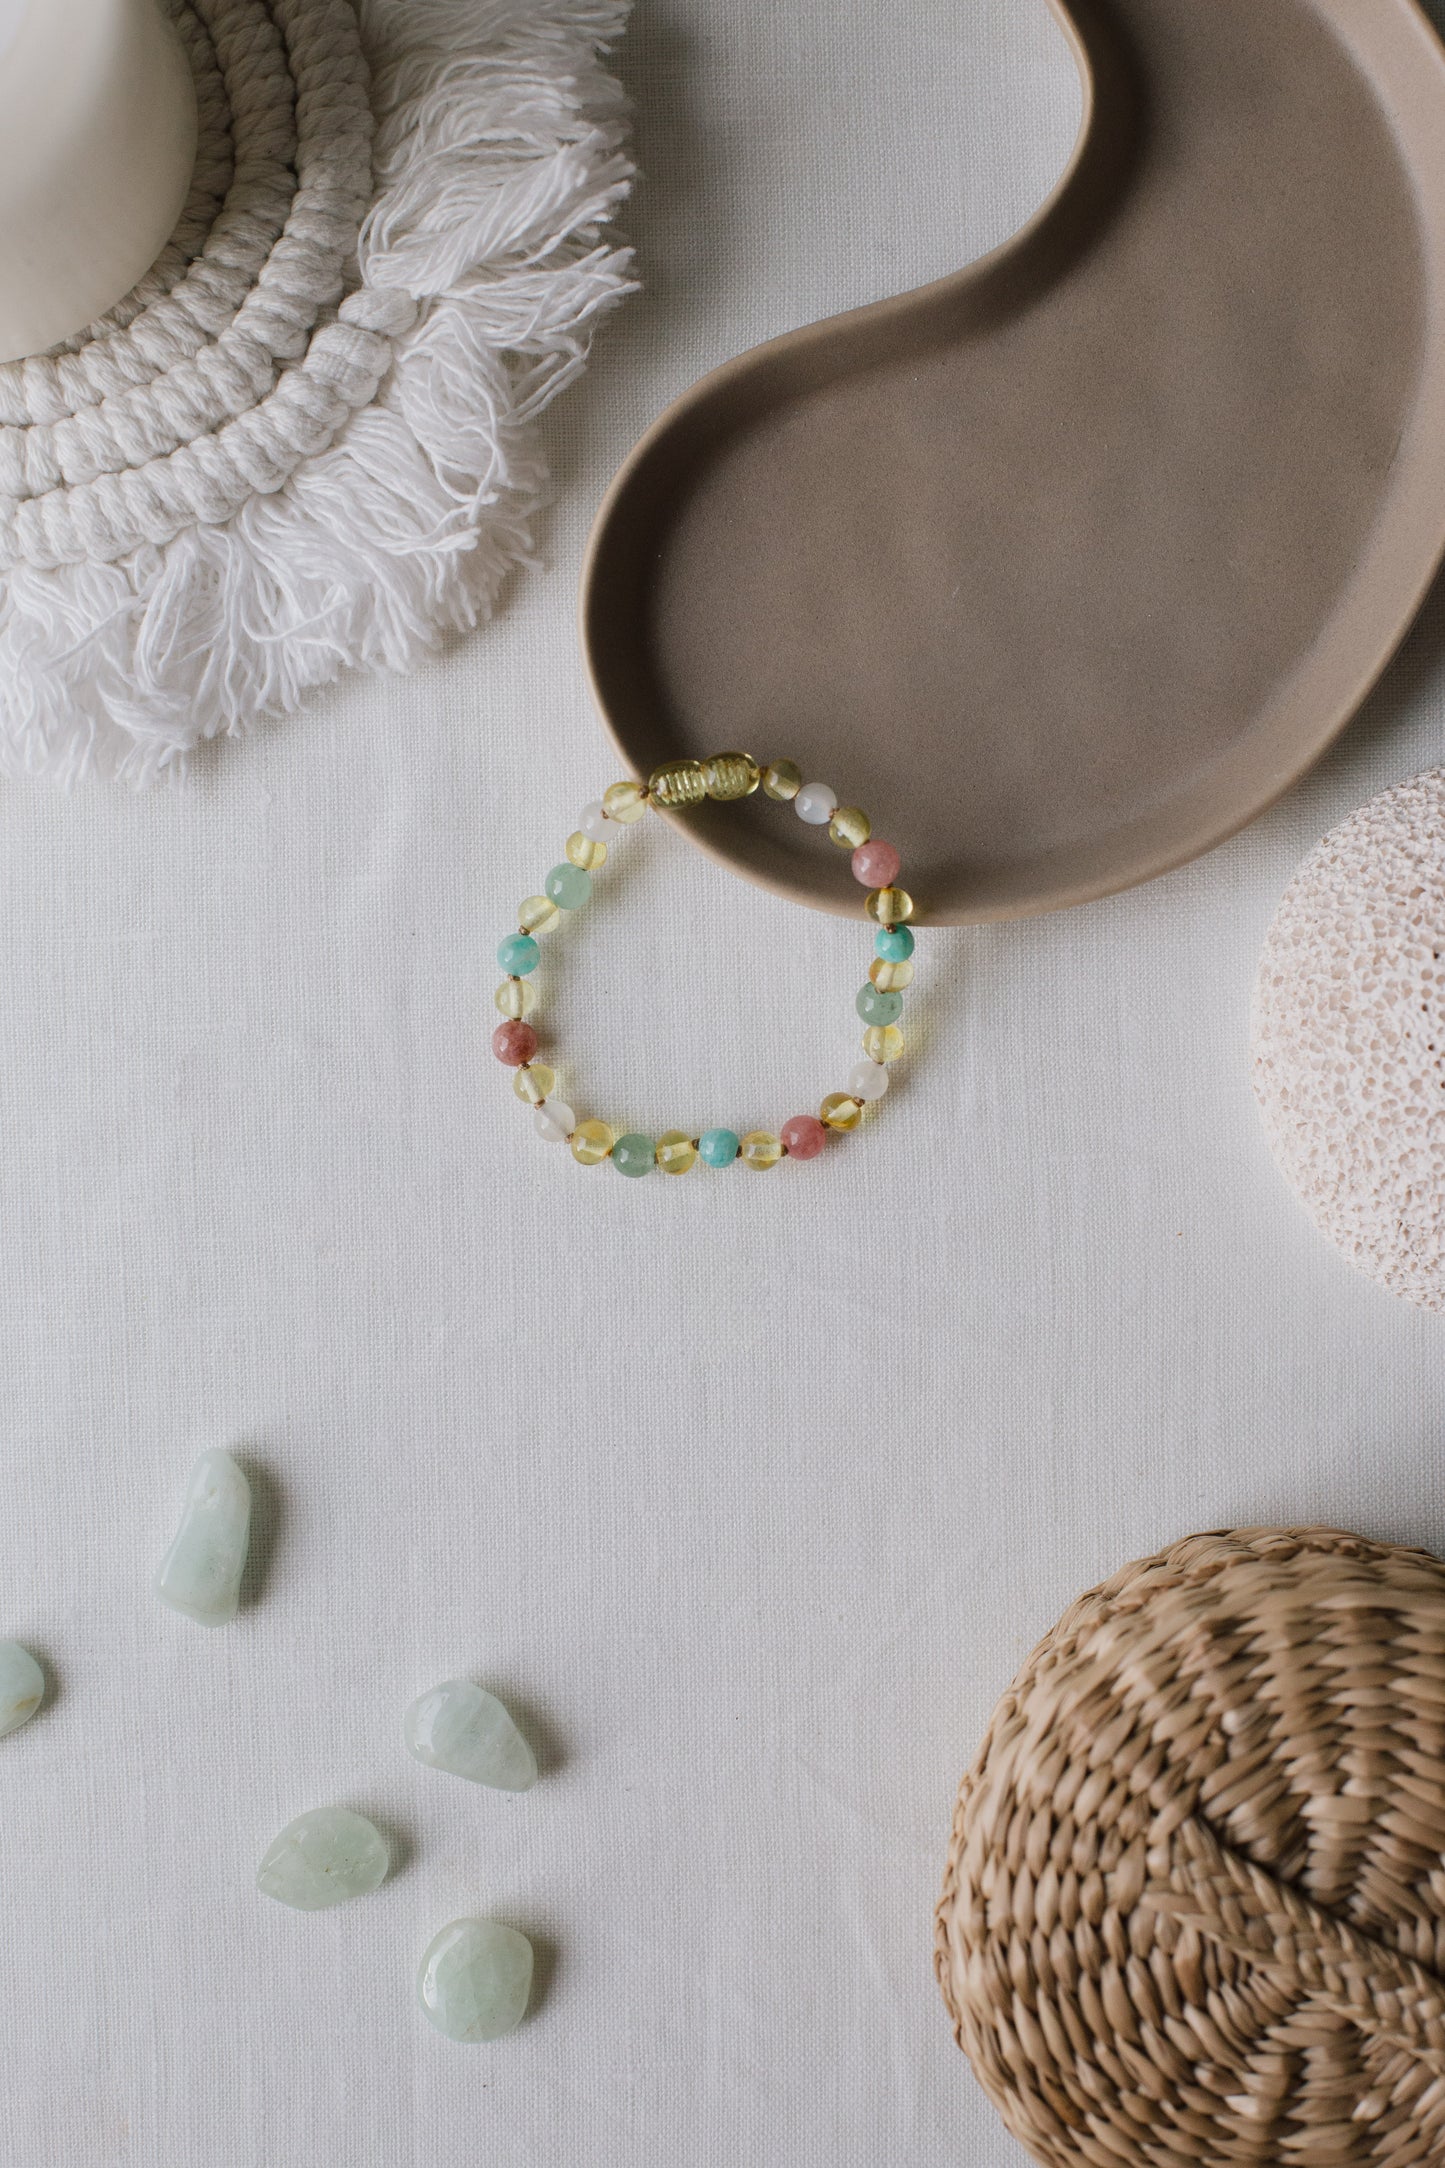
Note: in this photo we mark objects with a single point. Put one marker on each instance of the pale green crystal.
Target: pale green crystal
(475, 1979)
(463, 1728)
(322, 1858)
(201, 1572)
(22, 1686)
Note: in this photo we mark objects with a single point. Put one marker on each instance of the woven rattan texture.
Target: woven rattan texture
(1194, 1909)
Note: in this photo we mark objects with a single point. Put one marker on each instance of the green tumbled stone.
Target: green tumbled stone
(322, 1858)
(463, 1728)
(475, 1979)
(22, 1686)
(201, 1572)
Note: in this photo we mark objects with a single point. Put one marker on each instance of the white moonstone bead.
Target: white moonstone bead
(816, 804)
(22, 1686)
(322, 1858)
(462, 1728)
(595, 825)
(554, 1121)
(475, 1980)
(868, 1080)
(201, 1572)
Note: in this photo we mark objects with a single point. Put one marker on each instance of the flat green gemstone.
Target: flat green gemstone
(463, 1728)
(475, 1979)
(22, 1686)
(201, 1572)
(322, 1858)
(634, 1154)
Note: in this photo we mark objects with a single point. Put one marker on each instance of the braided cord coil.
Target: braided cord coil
(190, 408)
(306, 440)
(1194, 1909)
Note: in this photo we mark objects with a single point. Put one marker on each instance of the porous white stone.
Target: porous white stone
(201, 1572)
(22, 1686)
(475, 1980)
(1349, 1038)
(322, 1858)
(463, 1728)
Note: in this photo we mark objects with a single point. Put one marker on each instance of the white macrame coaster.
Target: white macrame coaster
(306, 441)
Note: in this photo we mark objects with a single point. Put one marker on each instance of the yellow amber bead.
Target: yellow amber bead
(890, 978)
(533, 1082)
(676, 1152)
(624, 802)
(759, 1149)
(783, 780)
(677, 783)
(841, 1111)
(730, 775)
(515, 997)
(591, 1142)
(883, 1042)
(849, 827)
(585, 853)
(537, 914)
(890, 906)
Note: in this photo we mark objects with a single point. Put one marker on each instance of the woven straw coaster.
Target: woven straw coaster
(1194, 1910)
(304, 441)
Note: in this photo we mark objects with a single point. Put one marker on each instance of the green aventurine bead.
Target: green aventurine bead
(568, 886)
(877, 1007)
(895, 943)
(719, 1147)
(463, 1728)
(322, 1858)
(633, 1154)
(22, 1686)
(475, 1980)
(201, 1572)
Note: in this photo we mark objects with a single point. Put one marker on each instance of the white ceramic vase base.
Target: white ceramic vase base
(305, 442)
(1349, 1038)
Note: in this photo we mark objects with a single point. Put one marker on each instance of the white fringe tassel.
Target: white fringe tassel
(499, 155)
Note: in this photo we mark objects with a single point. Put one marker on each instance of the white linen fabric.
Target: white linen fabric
(749, 1494)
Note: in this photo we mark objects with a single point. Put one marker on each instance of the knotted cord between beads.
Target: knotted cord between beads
(726, 777)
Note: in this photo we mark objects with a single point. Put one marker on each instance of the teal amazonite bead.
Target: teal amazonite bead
(877, 1007)
(568, 886)
(895, 943)
(719, 1147)
(518, 955)
(633, 1154)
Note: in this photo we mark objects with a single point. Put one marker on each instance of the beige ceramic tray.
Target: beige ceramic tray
(1066, 565)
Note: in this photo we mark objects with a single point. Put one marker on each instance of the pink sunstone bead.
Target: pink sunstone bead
(514, 1043)
(803, 1137)
(876, 865)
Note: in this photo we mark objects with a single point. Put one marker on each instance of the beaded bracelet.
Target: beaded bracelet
(677, 785)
